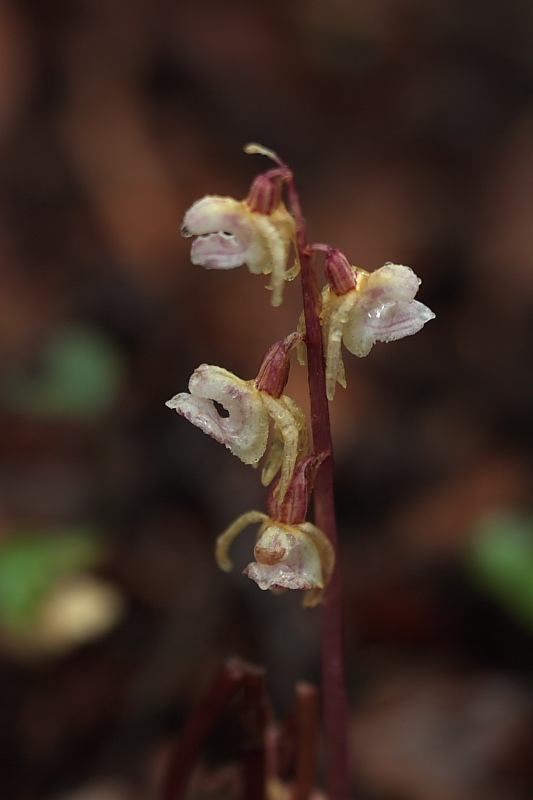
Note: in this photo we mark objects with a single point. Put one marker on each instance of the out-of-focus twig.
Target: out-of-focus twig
(187, 749)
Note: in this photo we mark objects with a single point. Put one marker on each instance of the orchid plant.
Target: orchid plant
(355, 308)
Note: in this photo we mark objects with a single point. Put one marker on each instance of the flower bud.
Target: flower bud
(291, 509)
(264, 196)
(339, 271)
(274, 370)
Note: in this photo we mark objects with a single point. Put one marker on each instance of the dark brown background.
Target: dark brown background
(409, 125)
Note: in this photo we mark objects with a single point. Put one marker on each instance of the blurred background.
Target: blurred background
(409, 125)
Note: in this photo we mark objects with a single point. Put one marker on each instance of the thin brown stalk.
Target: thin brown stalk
(255, 717)
(189, 746)
(335, 705)
(307, 719)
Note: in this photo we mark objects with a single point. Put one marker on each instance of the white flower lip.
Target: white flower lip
(245, 430)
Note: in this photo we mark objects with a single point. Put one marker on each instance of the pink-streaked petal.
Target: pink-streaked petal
(388, 284)
(227, 250)
(245, 430)
(395, 320)
(218, 251)
(212, 214)
(385, 309)
(228, 235)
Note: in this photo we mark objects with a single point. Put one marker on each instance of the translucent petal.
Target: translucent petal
(324, 548)
(385, 309)
(276, 453)
(358, 336)
(245, 430)
(390, 283)
(291, 428)
(396, 320)
(277, 230)
(274, 458)
(293, 271)
(336, 311)
(227, 235)
(385, 323)
(301, 423)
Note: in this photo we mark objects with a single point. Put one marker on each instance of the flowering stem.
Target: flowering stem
(307, 731)
(187, 750)
(335, 706)
(255, 717)
(234, 676)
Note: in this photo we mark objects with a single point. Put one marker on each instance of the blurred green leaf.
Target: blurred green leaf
(33, 562)
(80, 377)
(500, 561)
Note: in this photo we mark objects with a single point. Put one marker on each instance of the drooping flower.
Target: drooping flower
(250, 405)
(257, 231)
(361, 308)
(244, 430)
(290, 553)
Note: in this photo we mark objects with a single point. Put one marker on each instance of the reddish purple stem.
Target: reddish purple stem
(335, 705)
(255, 717)
(307, 722)
(233, 676)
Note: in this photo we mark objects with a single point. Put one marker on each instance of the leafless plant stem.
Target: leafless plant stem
(335, 706)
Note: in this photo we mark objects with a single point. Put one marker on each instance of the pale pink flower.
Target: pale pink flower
(287, 556)
(244, 431)
(290, 553)
(378, 307)
(229, 234)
